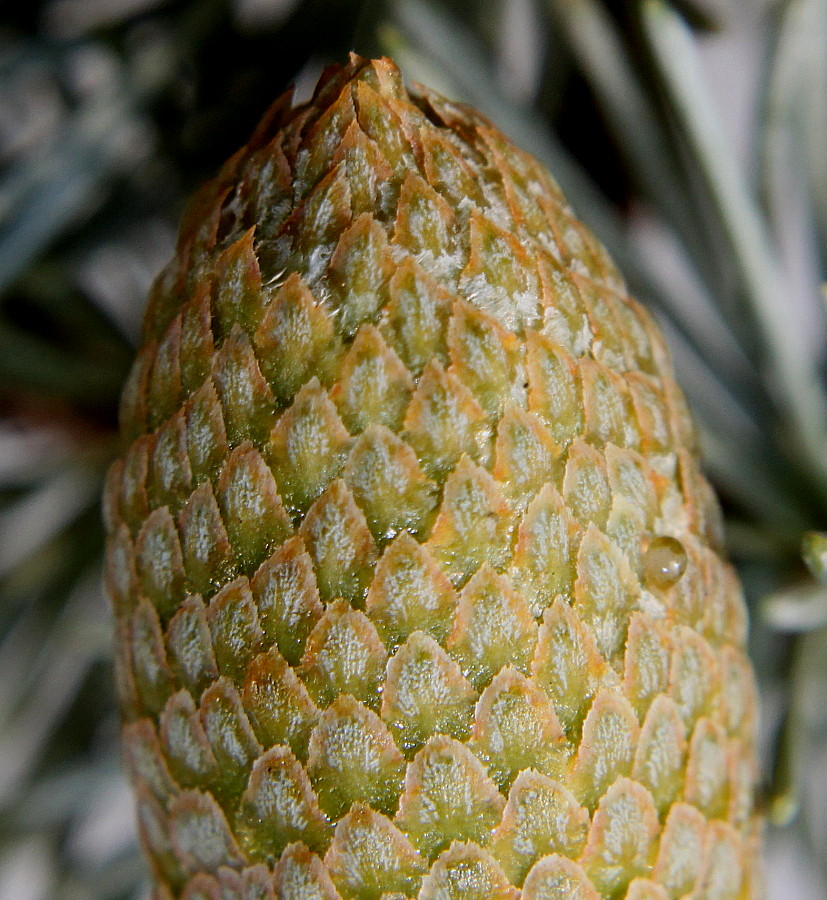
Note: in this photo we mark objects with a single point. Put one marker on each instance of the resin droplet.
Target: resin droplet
(664, 562)
(814, 552)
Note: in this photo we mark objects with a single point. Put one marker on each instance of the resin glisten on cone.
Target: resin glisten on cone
(418, 586)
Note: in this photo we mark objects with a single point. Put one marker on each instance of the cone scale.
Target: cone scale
(418, 587)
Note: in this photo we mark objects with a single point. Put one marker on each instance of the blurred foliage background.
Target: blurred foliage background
(690, 135)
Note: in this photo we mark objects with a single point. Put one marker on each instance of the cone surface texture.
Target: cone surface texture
(418, 586)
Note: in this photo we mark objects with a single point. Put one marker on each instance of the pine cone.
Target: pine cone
(418, 587)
